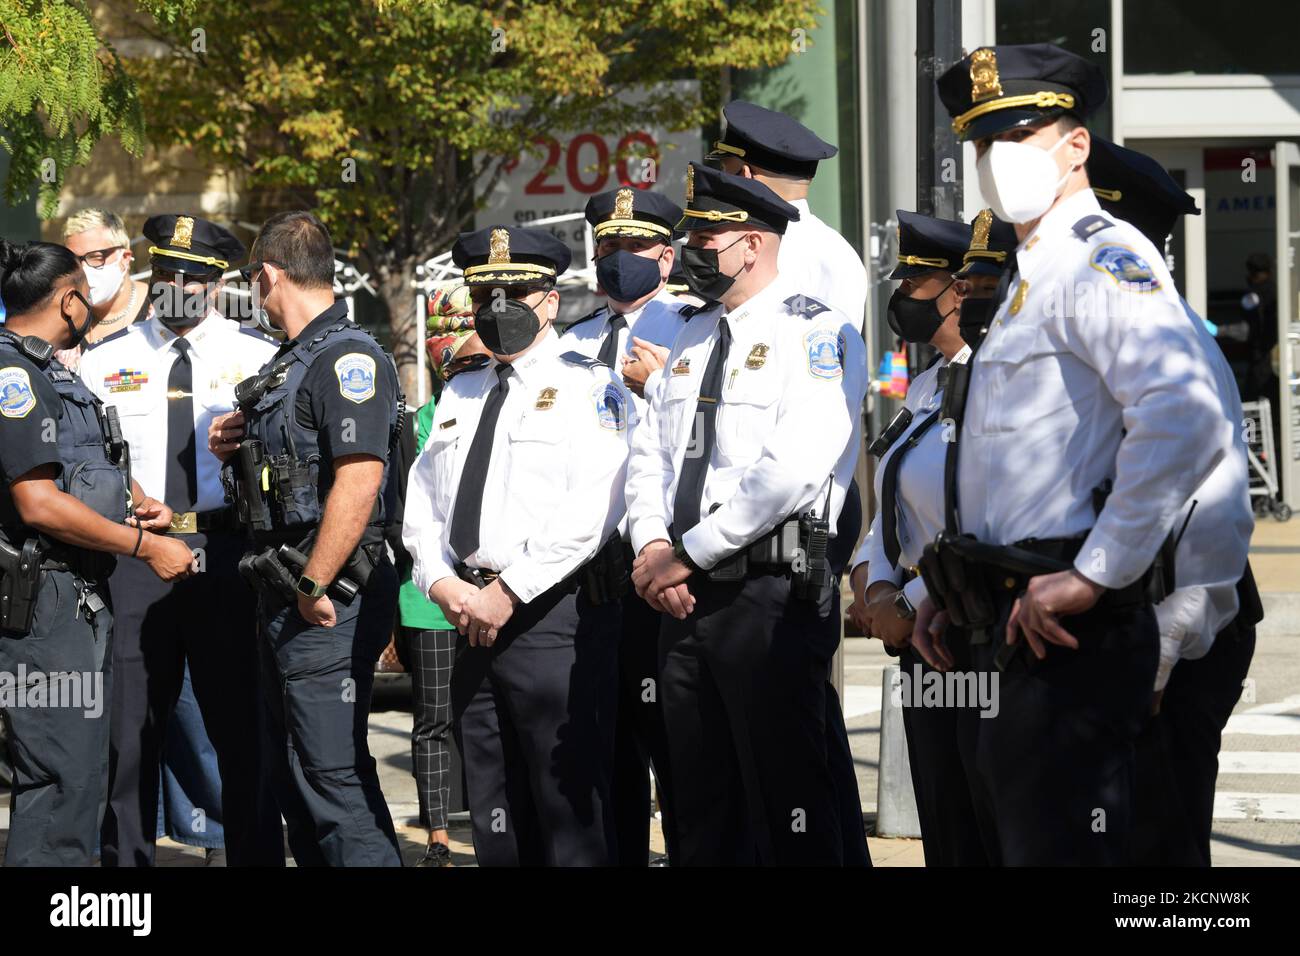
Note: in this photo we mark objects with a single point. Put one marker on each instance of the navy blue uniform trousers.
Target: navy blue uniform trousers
(534, 714)
(316, 684)
(59, 753)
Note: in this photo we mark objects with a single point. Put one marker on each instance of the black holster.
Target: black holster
(20, 581)
(605, 578)
(268, 576)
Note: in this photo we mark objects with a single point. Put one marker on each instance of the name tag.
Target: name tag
(448, 423)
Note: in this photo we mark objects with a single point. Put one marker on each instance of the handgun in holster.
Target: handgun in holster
(269, 577)
(20, 582)
(295, 561)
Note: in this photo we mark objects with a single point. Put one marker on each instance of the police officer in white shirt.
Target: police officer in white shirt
(736, 480)
(512, 520)
(1090, 417)
(783, 154)
(924, 309)
(1207, 625)
(634, 230)
(168, 377)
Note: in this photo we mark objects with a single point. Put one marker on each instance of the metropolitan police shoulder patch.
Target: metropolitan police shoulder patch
(611, 407)
(825, 352)
(356, 372)
(16, 396)
(1125, 266)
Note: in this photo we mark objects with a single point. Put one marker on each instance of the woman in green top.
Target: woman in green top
(430, 640)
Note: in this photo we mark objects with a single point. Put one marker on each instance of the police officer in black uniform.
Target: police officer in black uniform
(307, 466)
(167, 377)
(63, 514)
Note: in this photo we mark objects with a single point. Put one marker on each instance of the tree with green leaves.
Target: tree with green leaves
(61, 90)
(393, 118)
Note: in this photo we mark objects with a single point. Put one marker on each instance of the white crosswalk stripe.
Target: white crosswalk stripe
(1272, 720)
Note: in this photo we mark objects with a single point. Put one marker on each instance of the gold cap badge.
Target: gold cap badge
(623, 203)
(499, 247)
(980, 233)
(183, 234)
(984, 82)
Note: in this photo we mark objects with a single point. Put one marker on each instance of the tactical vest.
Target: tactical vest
(92, 462)
(280, 458)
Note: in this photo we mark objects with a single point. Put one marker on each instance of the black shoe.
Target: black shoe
(436, 854)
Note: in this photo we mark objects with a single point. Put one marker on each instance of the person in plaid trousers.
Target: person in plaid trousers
(430, 641)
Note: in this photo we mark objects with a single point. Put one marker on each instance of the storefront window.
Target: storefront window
(1200, 36)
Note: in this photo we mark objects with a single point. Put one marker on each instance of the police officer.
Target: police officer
(169, 377)
(63, 514)
(512, 518)
(731, 536)
(780, 152)
(634, 230)
(307, 465)
(783, 154)
(1207, 625)
(924, 309)
(1064, 474)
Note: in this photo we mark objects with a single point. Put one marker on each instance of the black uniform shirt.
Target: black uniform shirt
(348, 394)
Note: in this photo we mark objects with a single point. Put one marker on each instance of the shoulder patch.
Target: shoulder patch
(825, 349)
(16, 396)
(1125, 266)
(586, 361)
(806, 306)
(356, 374)
(1089, 226)
(611, 406)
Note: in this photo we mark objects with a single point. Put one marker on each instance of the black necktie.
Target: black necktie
(182, 479)
(889, 489)
(469, 493)
(690, 486)
(609, 347)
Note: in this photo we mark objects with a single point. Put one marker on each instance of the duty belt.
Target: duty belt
(603, 579)
(194, 522)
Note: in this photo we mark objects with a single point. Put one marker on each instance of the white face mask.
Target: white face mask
(1018, 180)
(105, 281)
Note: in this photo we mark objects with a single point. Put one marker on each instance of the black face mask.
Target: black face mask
(973, 320)
(79, 332)
(506, 326)
(626, 277)
(915, 320)
(702, 273)
(176, 307)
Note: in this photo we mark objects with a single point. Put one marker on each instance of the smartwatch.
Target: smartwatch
(679, 552)
(904, 607)
(309, 588)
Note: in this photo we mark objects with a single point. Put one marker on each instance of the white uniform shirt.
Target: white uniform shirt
(1212, 554)
(920, 488)
(658, 321)
(129, 370)
(554, 488)
(1087, 379)
(789, 418)
(819, 262)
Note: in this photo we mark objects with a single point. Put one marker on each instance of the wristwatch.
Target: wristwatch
(309, 588)
(679, 552)
(904, 607)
